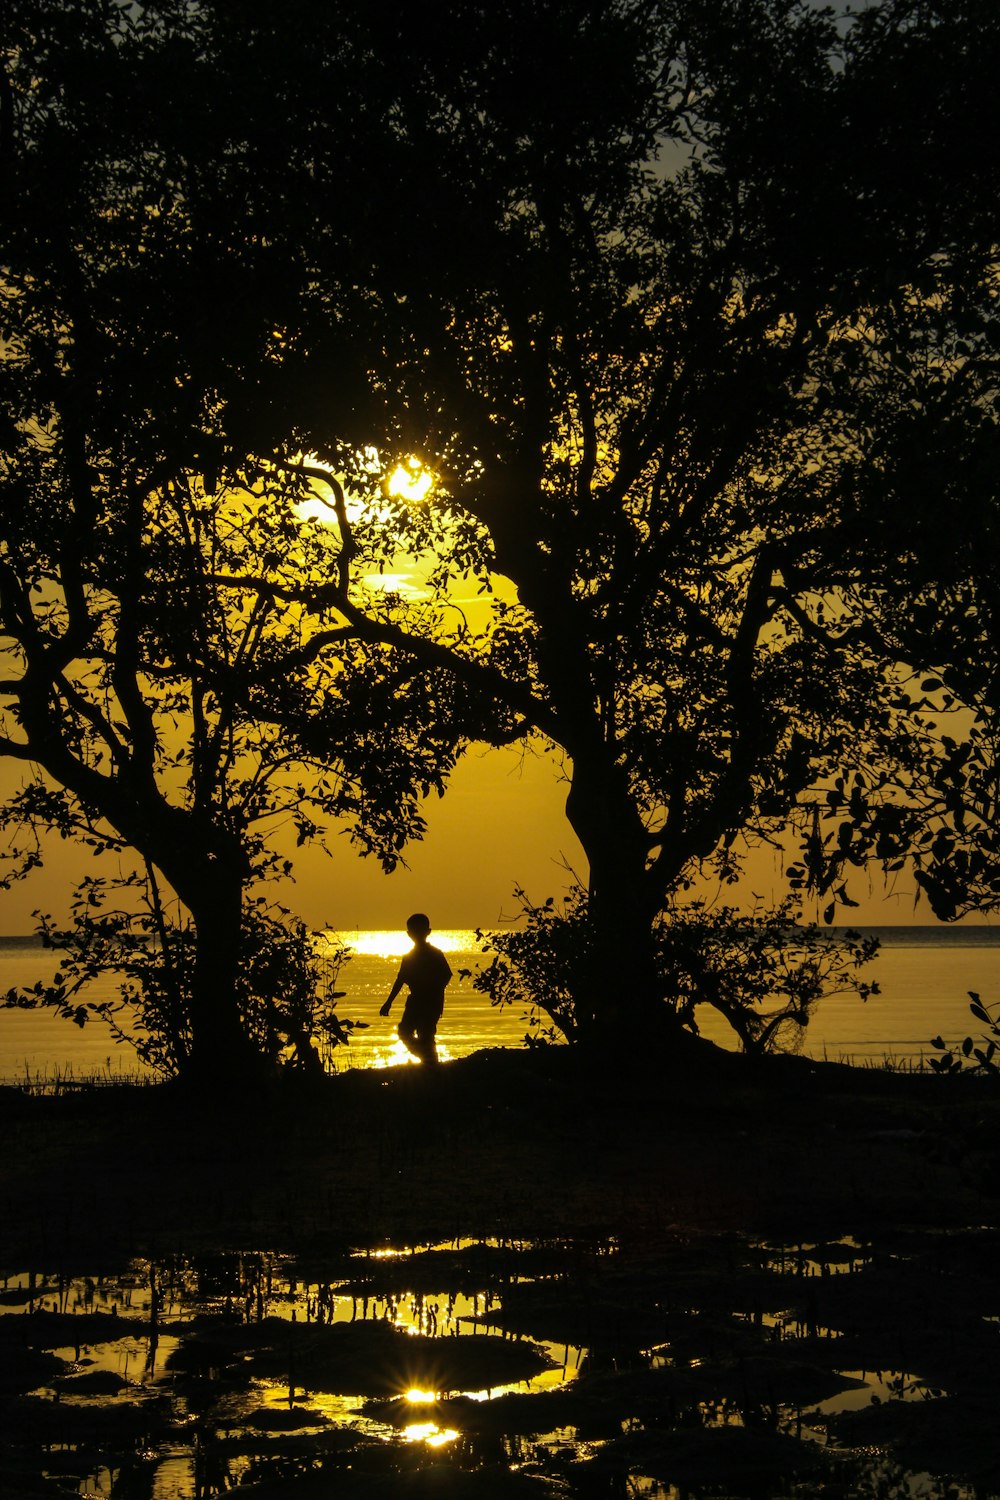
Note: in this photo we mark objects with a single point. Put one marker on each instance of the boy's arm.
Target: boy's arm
(397, 985)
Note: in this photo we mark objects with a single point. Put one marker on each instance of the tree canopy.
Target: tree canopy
(156, 701)
(690, 310)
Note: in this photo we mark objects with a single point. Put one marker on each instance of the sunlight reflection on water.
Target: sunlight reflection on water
(231, 1302)
(248, 1384)
(924, 976)
(390, 944)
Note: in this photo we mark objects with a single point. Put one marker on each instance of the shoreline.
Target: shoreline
(924, 976)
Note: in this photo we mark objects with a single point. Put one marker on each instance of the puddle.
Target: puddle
(698, 1367)
(823, 1258)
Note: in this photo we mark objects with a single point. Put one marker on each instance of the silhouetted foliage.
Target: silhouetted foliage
(691, 310)
(764, 972)
(968, 1056)
(285, 978)
(174, 716)
(164, 686)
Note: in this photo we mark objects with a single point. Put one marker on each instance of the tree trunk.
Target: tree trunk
(220, 1047)
(204, 865)
(620, 987)
(222, 1054)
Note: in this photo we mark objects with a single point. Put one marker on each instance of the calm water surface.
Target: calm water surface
(924, 974)
(669, 1371)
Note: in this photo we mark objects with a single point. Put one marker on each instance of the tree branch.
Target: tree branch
(429, 653)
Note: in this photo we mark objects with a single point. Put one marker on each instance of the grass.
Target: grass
(887, 1063)
(54, 1080)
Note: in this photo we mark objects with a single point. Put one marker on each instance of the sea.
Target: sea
(924, 975)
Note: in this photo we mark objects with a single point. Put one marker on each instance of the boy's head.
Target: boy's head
(418, 926)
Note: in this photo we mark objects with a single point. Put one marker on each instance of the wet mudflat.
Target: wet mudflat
(709, 1365)
(791, 1295)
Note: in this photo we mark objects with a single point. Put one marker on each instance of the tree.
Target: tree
(158, 703)
(764, 972)
(668, 295)
(691, 310)
(285, 995)
(157, 707)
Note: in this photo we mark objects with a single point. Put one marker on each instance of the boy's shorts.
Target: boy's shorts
(420, 1015)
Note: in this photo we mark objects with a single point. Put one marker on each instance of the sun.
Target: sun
(409, 481)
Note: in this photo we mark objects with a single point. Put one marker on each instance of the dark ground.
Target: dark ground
(522, 1144)
(780, 1227)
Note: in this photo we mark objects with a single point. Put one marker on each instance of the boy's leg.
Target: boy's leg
(428, 1044)
(407, 1030)
(428, 1033)
(416, 1030)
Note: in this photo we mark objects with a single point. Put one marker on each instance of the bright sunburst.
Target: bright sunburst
(409, 481)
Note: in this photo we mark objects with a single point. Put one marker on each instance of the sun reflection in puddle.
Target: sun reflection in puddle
(131, 1357)
(256, 1427)
(840, 1257)
(429, 1433)
(567, 1361)
(788, 1326)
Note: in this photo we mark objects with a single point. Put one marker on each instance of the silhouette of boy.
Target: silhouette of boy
(427, 973)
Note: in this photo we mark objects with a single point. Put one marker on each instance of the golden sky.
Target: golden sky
(501, 824)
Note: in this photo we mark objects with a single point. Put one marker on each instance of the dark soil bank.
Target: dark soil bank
(520, 1144)
(699, 1280)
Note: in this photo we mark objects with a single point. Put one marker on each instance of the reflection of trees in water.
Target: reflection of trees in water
(743, 1387)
